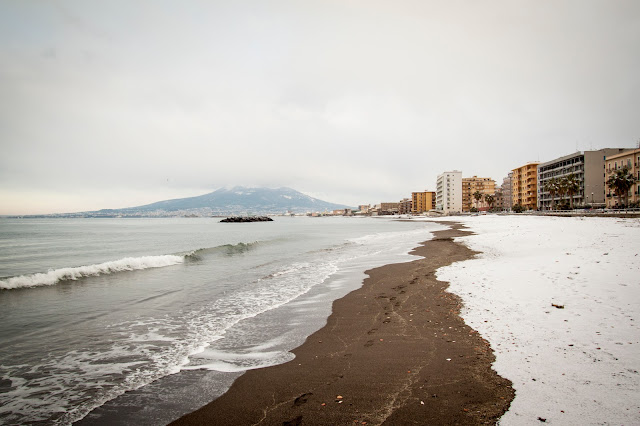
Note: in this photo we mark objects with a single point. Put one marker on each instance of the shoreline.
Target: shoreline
(393, 351)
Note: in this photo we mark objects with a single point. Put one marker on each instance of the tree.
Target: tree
(561, 188)
(518, 208)
(490, 199)
(552, 187)
(571, 186)
(478, 196)
(621, 182)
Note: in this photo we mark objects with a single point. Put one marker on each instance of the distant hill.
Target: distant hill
(237, 200)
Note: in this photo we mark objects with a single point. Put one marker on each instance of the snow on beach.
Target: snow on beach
(574, 363)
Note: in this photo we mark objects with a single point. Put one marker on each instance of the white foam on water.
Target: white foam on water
(231, 362)
(55, 276)
(71, 274)
(145, 350)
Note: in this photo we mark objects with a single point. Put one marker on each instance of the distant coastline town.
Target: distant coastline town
(604, 180)
(588, 180)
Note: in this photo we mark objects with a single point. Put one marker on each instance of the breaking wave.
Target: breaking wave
(55, 276)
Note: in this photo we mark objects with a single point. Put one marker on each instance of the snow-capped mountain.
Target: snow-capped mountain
(238, 200)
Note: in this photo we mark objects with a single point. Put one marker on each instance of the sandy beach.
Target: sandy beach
(395, 351)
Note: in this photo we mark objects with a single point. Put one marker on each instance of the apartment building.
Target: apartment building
(449, 192)
(631, 160)
(405, 206)
(507, 201)
(471, 185)
(586, 166)
(524, 186)
(423, 201)
(388, 208)
(499, 199)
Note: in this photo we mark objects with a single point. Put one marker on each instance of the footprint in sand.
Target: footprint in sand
(302, 399)
(293, 422)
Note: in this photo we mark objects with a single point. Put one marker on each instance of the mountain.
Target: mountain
(237, 200)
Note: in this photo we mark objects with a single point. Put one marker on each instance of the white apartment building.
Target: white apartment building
(449, 192)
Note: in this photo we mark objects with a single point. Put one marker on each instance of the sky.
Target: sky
(116, 103)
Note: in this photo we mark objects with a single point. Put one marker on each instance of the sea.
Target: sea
(134, 321)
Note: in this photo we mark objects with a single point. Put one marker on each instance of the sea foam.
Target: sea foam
(55, 276)
(66, 274)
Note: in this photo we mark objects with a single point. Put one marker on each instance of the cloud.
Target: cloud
(361, 101)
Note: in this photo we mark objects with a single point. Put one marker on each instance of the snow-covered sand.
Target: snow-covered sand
(574, 366)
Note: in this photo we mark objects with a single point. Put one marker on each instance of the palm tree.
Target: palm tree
(621, 182)
(490, 199)
(561, 188)
(552, 187)
(572, 185)
(478, 196)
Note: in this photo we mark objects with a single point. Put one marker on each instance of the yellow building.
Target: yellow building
(630, 160)
(524, 186)
(423, 201)
(486, 186)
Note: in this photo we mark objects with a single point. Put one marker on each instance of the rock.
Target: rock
(244, 219)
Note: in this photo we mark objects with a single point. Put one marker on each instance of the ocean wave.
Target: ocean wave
(55, 276)
(225, 249)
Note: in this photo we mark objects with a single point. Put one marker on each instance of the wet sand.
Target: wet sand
(394, 351)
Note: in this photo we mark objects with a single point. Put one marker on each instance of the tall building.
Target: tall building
(507, 201)
(423, 201)
(486, 186)
(499, 199)
(405, 206)
(586, 166)
(524, 186)
(449, 192)
(631, 160)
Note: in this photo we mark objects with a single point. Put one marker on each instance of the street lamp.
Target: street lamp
(592, 199)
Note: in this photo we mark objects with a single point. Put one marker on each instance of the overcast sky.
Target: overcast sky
(108, 104)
